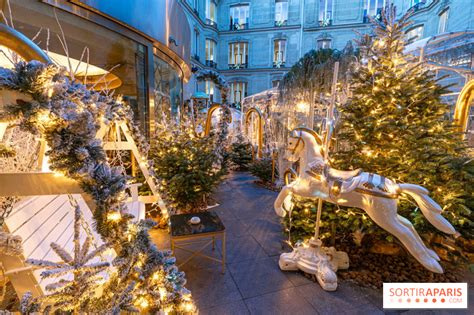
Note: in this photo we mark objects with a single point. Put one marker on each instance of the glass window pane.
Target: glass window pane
(168, 91)
(109, 52)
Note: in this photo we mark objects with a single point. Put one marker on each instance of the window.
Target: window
(373, 9)
(323, 43)
(325, 12)
(239, 17)
(196, 4)
(238, 90)
(210, 87)
(196, 44)
(414, 34)
(443, 21)
(211, 12)
(281, 12)
(238, 55)
(168, 91)
(279, 53)
(210, 53)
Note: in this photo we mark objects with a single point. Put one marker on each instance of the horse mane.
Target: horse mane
(312, 132)
(315, 135)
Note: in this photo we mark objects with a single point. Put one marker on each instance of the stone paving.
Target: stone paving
(253, 282)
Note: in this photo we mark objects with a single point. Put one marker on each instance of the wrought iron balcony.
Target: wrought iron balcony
(418, 6)
(324, 23)
(211, 23)
(278, 64)
(238, 66)
(238, 26)
(211, 63)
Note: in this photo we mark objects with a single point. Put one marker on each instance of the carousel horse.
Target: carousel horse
(373, 193)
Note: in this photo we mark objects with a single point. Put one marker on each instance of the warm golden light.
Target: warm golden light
(302, 107)
(114, 216)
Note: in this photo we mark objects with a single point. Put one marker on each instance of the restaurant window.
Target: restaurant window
(238, 90)
(373, 9)
(323, 43)
(325, 12)
(279, 53)
(168, 90)
(238, 55)
(443, 21)
(239, 17)
(414, 34)
(122, 59)
(210, 53)
(281, 12)
(211, 12)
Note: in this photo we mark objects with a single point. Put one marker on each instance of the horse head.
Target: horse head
(304, 142)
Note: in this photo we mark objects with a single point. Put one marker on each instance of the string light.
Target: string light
(114, 216)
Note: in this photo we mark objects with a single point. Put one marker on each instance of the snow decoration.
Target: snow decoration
(80, 274)
(68, 116)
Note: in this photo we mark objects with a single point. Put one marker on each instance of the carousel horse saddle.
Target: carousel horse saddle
(340, 182)
(364, 183)
(343, 175)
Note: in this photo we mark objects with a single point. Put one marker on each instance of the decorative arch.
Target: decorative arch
(248, 116)
(463, 105)
(210, 112)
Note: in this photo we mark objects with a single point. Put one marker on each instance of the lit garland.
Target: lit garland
(68, 116)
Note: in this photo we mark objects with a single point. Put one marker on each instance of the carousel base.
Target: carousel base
(312, 258)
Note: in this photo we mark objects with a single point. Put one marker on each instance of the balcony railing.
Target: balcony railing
(238, 26)
(278, 64)
(238, 65)
(211, 63)
(377, 16)
(211, 23)
(324, 23)
(418, 6)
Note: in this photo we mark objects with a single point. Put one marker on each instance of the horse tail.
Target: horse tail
(431, 210)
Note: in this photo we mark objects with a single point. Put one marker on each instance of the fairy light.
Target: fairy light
(44, 118)
(114, 216)
(302, 107)
(163, 293)
(142, 302)
(188, 306)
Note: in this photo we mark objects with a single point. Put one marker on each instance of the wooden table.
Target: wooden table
(184, 233)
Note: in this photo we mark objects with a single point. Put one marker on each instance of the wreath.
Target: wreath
(68, 116)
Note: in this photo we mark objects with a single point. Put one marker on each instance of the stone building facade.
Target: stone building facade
(254, 42)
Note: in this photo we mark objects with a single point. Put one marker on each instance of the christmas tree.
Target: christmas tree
(241, 153)
(395, 124)
(189, 166)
